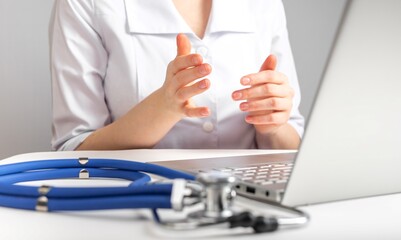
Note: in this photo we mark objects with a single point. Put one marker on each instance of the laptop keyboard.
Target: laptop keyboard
(268, 174)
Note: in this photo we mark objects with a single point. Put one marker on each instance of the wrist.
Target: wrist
(164, 105)
(282, 137)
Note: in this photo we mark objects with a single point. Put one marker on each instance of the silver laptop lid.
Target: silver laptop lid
(352, 144)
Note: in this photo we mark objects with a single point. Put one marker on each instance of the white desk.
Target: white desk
(368, 218)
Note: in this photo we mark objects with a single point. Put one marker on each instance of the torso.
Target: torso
(136, 54)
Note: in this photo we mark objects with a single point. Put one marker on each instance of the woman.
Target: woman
(173, 74)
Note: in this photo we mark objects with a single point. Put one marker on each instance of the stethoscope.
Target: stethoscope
(213, 191)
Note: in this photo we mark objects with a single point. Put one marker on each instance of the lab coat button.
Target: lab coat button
(208, 126)
(202, 51)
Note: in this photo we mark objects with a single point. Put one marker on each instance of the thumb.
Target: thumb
(270, 63)
(183, 45)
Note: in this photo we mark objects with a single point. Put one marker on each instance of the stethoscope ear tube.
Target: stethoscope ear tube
(93, 163)
(138, 194)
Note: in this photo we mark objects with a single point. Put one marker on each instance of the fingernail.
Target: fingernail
(237, 95)
(196, 60)
(203, 84)
(248, 119)
(244, 106)
(205, 112)
(204, 69)
(245, 80)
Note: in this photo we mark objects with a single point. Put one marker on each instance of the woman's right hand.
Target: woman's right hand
(180, 86)
(152, 118)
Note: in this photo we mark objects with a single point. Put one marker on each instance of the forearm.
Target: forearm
(285, 137)
(142, 127)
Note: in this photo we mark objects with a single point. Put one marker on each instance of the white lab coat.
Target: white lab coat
(106, 56)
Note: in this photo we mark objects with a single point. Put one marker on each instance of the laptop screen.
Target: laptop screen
(352, 140)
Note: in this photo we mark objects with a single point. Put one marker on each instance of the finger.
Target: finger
(183, 62)
(189, 75)
(267, 76)
(260, 113)
(274, 118)
(263, 91)
(196, 111)
(272, 104)
(183, 45)
(186, 93)
(270, 63)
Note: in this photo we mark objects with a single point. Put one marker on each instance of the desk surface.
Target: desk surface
(368, 218)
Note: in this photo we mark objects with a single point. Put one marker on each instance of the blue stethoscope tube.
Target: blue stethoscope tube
(139, 194)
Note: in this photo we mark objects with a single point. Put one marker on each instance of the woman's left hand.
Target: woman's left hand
(268, 99)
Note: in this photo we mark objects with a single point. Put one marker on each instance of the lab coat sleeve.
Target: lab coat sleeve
(282, 49)
(78, 66)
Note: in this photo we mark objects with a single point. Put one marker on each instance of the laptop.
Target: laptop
(351, 146)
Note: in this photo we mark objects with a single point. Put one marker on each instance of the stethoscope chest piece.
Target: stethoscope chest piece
(216, 192)
(220, 194)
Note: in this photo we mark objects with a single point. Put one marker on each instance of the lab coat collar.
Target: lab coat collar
(161, 17)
